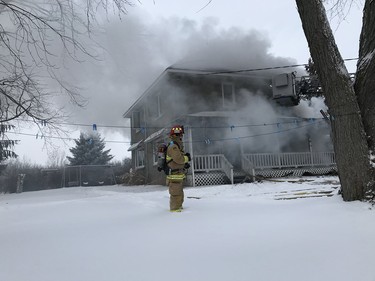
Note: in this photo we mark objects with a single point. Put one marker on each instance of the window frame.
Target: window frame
(155, 153)
(139, 161)
(155, 101)
(136, 119)
(141, 119)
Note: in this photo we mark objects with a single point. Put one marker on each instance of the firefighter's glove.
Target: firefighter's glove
(186, 166)
(188, 156)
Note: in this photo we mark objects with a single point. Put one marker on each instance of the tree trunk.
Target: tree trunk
(365, 76)
(349, 137)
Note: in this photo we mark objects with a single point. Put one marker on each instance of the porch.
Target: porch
(216, 169)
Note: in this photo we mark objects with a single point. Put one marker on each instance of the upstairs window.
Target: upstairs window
(228, 96)
(154, 106)
(136, 119)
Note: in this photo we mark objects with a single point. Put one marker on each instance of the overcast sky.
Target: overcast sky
(158, 33)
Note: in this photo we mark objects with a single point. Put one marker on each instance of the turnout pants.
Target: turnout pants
(176, 193)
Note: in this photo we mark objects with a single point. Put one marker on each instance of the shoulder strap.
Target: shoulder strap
(172, 143)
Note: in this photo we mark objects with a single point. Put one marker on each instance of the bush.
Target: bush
(36, 178)
(120, 169)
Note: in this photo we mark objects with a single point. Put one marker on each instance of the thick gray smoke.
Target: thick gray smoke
(136, 51)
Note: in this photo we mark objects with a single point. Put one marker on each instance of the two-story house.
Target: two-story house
(234, 128)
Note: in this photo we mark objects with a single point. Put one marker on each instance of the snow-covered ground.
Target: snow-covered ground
(225, 233)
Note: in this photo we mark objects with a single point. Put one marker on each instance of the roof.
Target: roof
(127, 113)
(135, 145)
(155, 135)
(208, 71)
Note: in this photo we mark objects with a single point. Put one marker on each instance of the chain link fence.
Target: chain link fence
(88, 175)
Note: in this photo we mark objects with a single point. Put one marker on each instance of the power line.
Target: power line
(310, 123)
(41, 136)
(293, 120)
(97, 126)
(258, 69)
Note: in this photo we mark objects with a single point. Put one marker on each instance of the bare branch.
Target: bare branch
(29, 33)
(209, 2)
(340, 9)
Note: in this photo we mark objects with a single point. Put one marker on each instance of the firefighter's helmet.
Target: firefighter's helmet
(176, 130)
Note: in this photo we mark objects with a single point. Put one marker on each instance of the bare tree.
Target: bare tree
(56, 158)
(365, 77)
(29, 31)
(349, 124)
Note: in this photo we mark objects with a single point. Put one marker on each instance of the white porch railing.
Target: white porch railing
(262, 161)
(213, 162)
(285, 160)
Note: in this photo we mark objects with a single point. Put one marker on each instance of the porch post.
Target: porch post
(241, 153)
(190, 141)
(311, 153)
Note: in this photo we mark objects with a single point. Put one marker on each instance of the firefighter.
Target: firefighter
(178, 164)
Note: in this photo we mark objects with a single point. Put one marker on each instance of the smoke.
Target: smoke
(310, 108)
(261, 125)
(129, 54)
(136, 50)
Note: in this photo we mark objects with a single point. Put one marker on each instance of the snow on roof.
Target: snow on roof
(134, 146)
(155, 135)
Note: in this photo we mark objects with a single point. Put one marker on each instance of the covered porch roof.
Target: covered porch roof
(135, 145)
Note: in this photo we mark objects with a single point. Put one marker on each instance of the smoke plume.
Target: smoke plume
(136, 50)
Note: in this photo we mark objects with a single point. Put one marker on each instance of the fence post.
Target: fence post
(63, 177)
(20, 179)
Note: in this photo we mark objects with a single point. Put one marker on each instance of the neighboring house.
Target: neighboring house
(234, 128)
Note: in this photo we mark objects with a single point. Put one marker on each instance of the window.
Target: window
(154, 107)
(227, 90)
(139, 159)
(163, 102)
(155, 153)
(136, 119)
